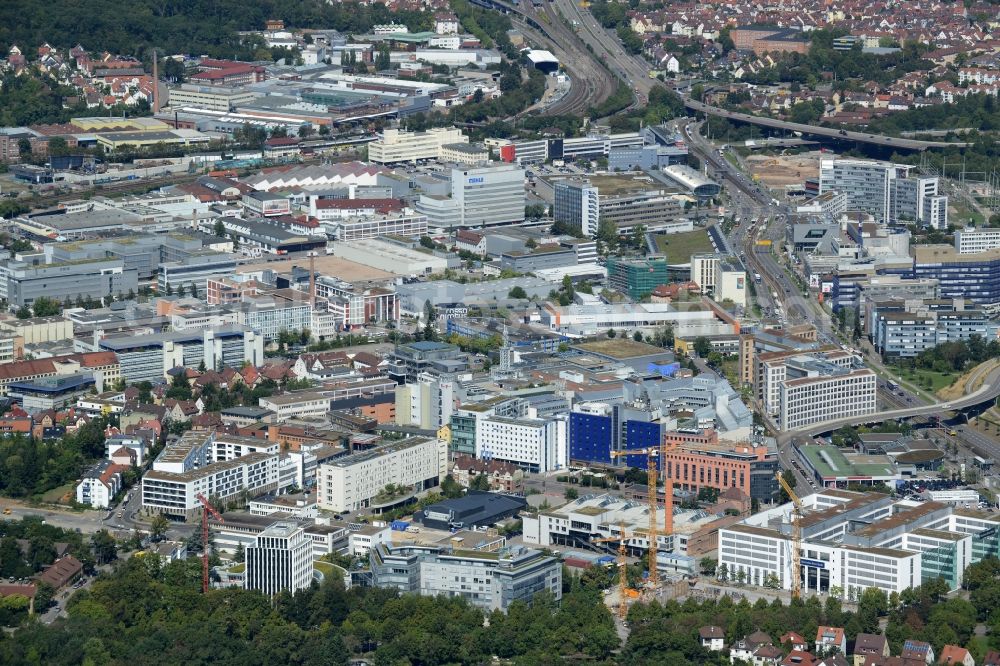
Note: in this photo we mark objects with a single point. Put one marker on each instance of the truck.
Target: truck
(756, 278)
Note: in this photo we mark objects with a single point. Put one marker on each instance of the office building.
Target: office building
(220, 466)
(194, 270)
(597, 429)
(534, 445)
(211, 98)
(426, 403)
(464, 423)
(296, 405)
(852, 541)
(815, 391)
(357, 481)
(407, 362)
(579, 523)
(799, 388)
(50, 393)
(696, 460)
(103, 366)
(974, 276)
(907, 328)
(395, 145)
(489, 195)
(885, 191)
(95, 279)
(374, 226)
(698, 319)
(730, 282)
(972, 240)
(280, 560)
(637, 278)
(150, 357)
(396, 257)
(626, 202)
(486, 579)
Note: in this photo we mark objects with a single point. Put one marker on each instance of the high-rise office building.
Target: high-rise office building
(280, 560)
(886, 191)
(489, 195)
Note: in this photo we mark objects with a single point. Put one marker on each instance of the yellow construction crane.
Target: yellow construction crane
(623, 589)
(796, 537)
(651, 482)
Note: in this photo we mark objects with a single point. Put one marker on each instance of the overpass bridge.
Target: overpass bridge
(988, 391)
(829, 132)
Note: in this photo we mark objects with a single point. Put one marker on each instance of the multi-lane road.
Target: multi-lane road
(847, 135)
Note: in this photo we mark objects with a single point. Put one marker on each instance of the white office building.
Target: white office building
(852, 541)
(823, 394)
(703, 269)
(973, 240)
(489, 195)
(800, 389)
(885, 191)
(296, 405)
(730, 282)
(357, 481)
(280, 560)
(394, 145)
(531, 444)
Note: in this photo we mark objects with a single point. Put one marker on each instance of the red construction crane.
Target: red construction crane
(207, 509)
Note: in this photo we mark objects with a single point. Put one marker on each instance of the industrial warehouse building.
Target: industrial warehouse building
(852, 541)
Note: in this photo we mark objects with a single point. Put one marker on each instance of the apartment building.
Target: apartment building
(395, 145)
(356, 481)
(100, 484)
(487, 580)
(280, 560)
(427, 403)
(203, 463)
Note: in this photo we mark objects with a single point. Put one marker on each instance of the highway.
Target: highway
(876, 139)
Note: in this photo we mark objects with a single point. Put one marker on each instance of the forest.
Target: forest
(150, 613)
(178, 26)
(30, 467)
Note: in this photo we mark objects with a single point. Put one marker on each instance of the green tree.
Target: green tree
(105, 547)
(517, 292)
(637, 336)
(158, 527)
(450, 488)
(571, 493)
(480, 482)
(46, 307)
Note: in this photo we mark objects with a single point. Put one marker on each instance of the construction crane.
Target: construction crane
(623, 588)
(796, 537)
(206, 509)
(651, 483)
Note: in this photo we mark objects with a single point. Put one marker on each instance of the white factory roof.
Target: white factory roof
(538, 55)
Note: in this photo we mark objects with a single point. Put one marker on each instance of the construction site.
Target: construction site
(655, 544)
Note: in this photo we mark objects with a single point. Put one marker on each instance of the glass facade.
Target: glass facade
(940, 562)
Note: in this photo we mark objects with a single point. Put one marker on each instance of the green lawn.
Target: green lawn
(55, 495)
(936, 380)
(328, 569)
(678, 248)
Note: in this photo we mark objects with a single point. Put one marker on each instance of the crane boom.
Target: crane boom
(207, 509)
(796, 537)
(651, 484)
(622, 566)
